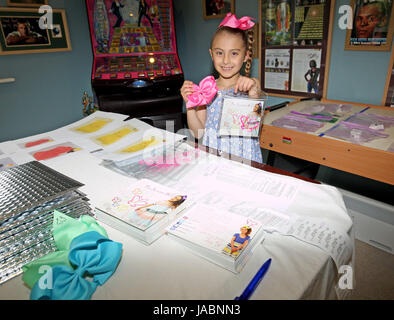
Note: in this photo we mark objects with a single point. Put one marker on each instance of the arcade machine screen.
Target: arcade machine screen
(136, 69)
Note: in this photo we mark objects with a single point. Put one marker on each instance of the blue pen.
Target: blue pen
(255, 281)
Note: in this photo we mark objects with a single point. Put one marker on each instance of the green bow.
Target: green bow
(65, 229)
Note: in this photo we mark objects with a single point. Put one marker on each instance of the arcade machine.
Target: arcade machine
(136, 69)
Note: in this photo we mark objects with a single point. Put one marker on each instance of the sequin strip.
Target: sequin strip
(26, 249)
(29, 194)
(30, 185)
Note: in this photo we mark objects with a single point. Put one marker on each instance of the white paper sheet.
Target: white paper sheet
(140, 145)
(115, 117)
(271, 220)
(272, 190)
(29, 143)
(320, 233)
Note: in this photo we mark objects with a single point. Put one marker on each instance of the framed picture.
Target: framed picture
(277, 24)
(277, 69)
(295, 47)
(306, 70)
(306, 32)
(26, 3)
(216, 9)
(21, 32)
(372, 25)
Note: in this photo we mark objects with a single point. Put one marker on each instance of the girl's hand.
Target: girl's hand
(234, 250)
(186, 90)
(249, 85)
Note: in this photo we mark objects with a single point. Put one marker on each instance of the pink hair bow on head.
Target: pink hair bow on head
(231, 21)
(203, 93)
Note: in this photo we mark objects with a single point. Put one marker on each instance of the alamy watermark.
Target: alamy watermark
(46, 280)
(46, 19)
(173, 156)
(346, 278)
(345, 21)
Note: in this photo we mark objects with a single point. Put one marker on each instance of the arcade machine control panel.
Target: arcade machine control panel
(136, 68)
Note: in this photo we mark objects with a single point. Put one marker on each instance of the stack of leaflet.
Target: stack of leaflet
(29, 193)
(165, 168)
(142, 210)
(210, 233)
(145, 142)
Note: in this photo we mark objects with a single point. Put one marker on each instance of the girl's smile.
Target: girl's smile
(225, 70)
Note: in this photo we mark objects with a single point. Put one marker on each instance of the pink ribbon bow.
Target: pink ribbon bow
(231, 21)
(203, 93)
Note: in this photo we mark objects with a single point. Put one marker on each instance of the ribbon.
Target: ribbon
(203, 93)
(231, 21)
(80, 243)
(90, 253)
(65, 229)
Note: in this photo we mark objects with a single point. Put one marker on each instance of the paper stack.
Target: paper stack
(142, 210)
(29, 193)
(222, 237)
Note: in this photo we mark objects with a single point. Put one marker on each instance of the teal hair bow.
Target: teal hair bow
(90, 254)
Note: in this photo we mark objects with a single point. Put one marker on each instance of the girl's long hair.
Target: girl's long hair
(177, 203)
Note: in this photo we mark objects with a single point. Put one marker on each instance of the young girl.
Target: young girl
(231, 47)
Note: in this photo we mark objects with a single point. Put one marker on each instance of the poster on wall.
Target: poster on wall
(277, 69)
(372, 25)
(306, 70)
(217, 9)
(20, 32)
(277, 17)
(309, 23)
(26, 3)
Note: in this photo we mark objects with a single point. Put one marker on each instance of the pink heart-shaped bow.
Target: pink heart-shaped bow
(231, 21)
(203, 93)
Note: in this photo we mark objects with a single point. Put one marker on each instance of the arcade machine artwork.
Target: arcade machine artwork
(136, 69)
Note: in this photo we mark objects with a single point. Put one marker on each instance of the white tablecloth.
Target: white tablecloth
(167, 270)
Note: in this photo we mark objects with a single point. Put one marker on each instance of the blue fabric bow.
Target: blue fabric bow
(90, 254)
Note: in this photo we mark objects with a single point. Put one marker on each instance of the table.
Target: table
(370, 160)
(166, 270)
